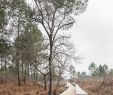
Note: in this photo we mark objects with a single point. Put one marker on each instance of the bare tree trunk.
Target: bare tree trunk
(50, 66)
(45, 83)
(22, 70)
(28, 71)
(5, 64)
(36, 77)
(1, 67)
(34, 74)
(18, 72)
(25, 74)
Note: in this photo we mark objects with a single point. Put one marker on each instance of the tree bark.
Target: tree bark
(18, 72)
(50, 65)
(5, 64)
(45, 83)
(17, 63)
(25, 74)
(28, 67)
(34, 74)
(22, 70)
(1, 67)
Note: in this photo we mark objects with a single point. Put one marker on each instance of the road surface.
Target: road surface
(79, 91)
(73, 90)
(70, 91)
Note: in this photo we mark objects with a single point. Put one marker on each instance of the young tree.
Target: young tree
(55, 15)
(103, 70)
(72, 72)
(43, 70)
(92, 68)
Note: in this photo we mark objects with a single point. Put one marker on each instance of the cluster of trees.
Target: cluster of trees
(25, 51)
(99, 71)
(82, 75)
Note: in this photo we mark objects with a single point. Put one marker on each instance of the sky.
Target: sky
(93, 34)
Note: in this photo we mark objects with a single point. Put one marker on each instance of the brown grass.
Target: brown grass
(12, 89)
(30, 88)
(98, 86)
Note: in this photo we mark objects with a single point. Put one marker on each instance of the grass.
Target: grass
(99, 86)
(30, 88)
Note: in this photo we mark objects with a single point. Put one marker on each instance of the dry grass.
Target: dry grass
(30, 88)
(60, 89)
(12, 89)
(98, 86)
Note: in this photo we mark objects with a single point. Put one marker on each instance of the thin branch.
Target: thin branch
(40, 10)
(58, 28)
(66, 24)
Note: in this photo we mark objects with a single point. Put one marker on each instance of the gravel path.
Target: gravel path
(74, 90)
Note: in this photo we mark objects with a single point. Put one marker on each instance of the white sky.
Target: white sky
(93, 34)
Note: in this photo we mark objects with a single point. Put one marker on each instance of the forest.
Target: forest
(35, 55)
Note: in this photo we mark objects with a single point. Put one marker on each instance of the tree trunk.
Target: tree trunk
(22, 70)
(5, 64)
(18, 72)
(1, 67)
(34, 74)
(25, 74)
(28, 71)
(45, 83)
(50, 66)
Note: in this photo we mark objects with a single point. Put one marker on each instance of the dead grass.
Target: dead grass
(98, 87)
(11, 88)
(30, 88)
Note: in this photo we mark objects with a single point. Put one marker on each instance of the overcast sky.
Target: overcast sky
(93, 34)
